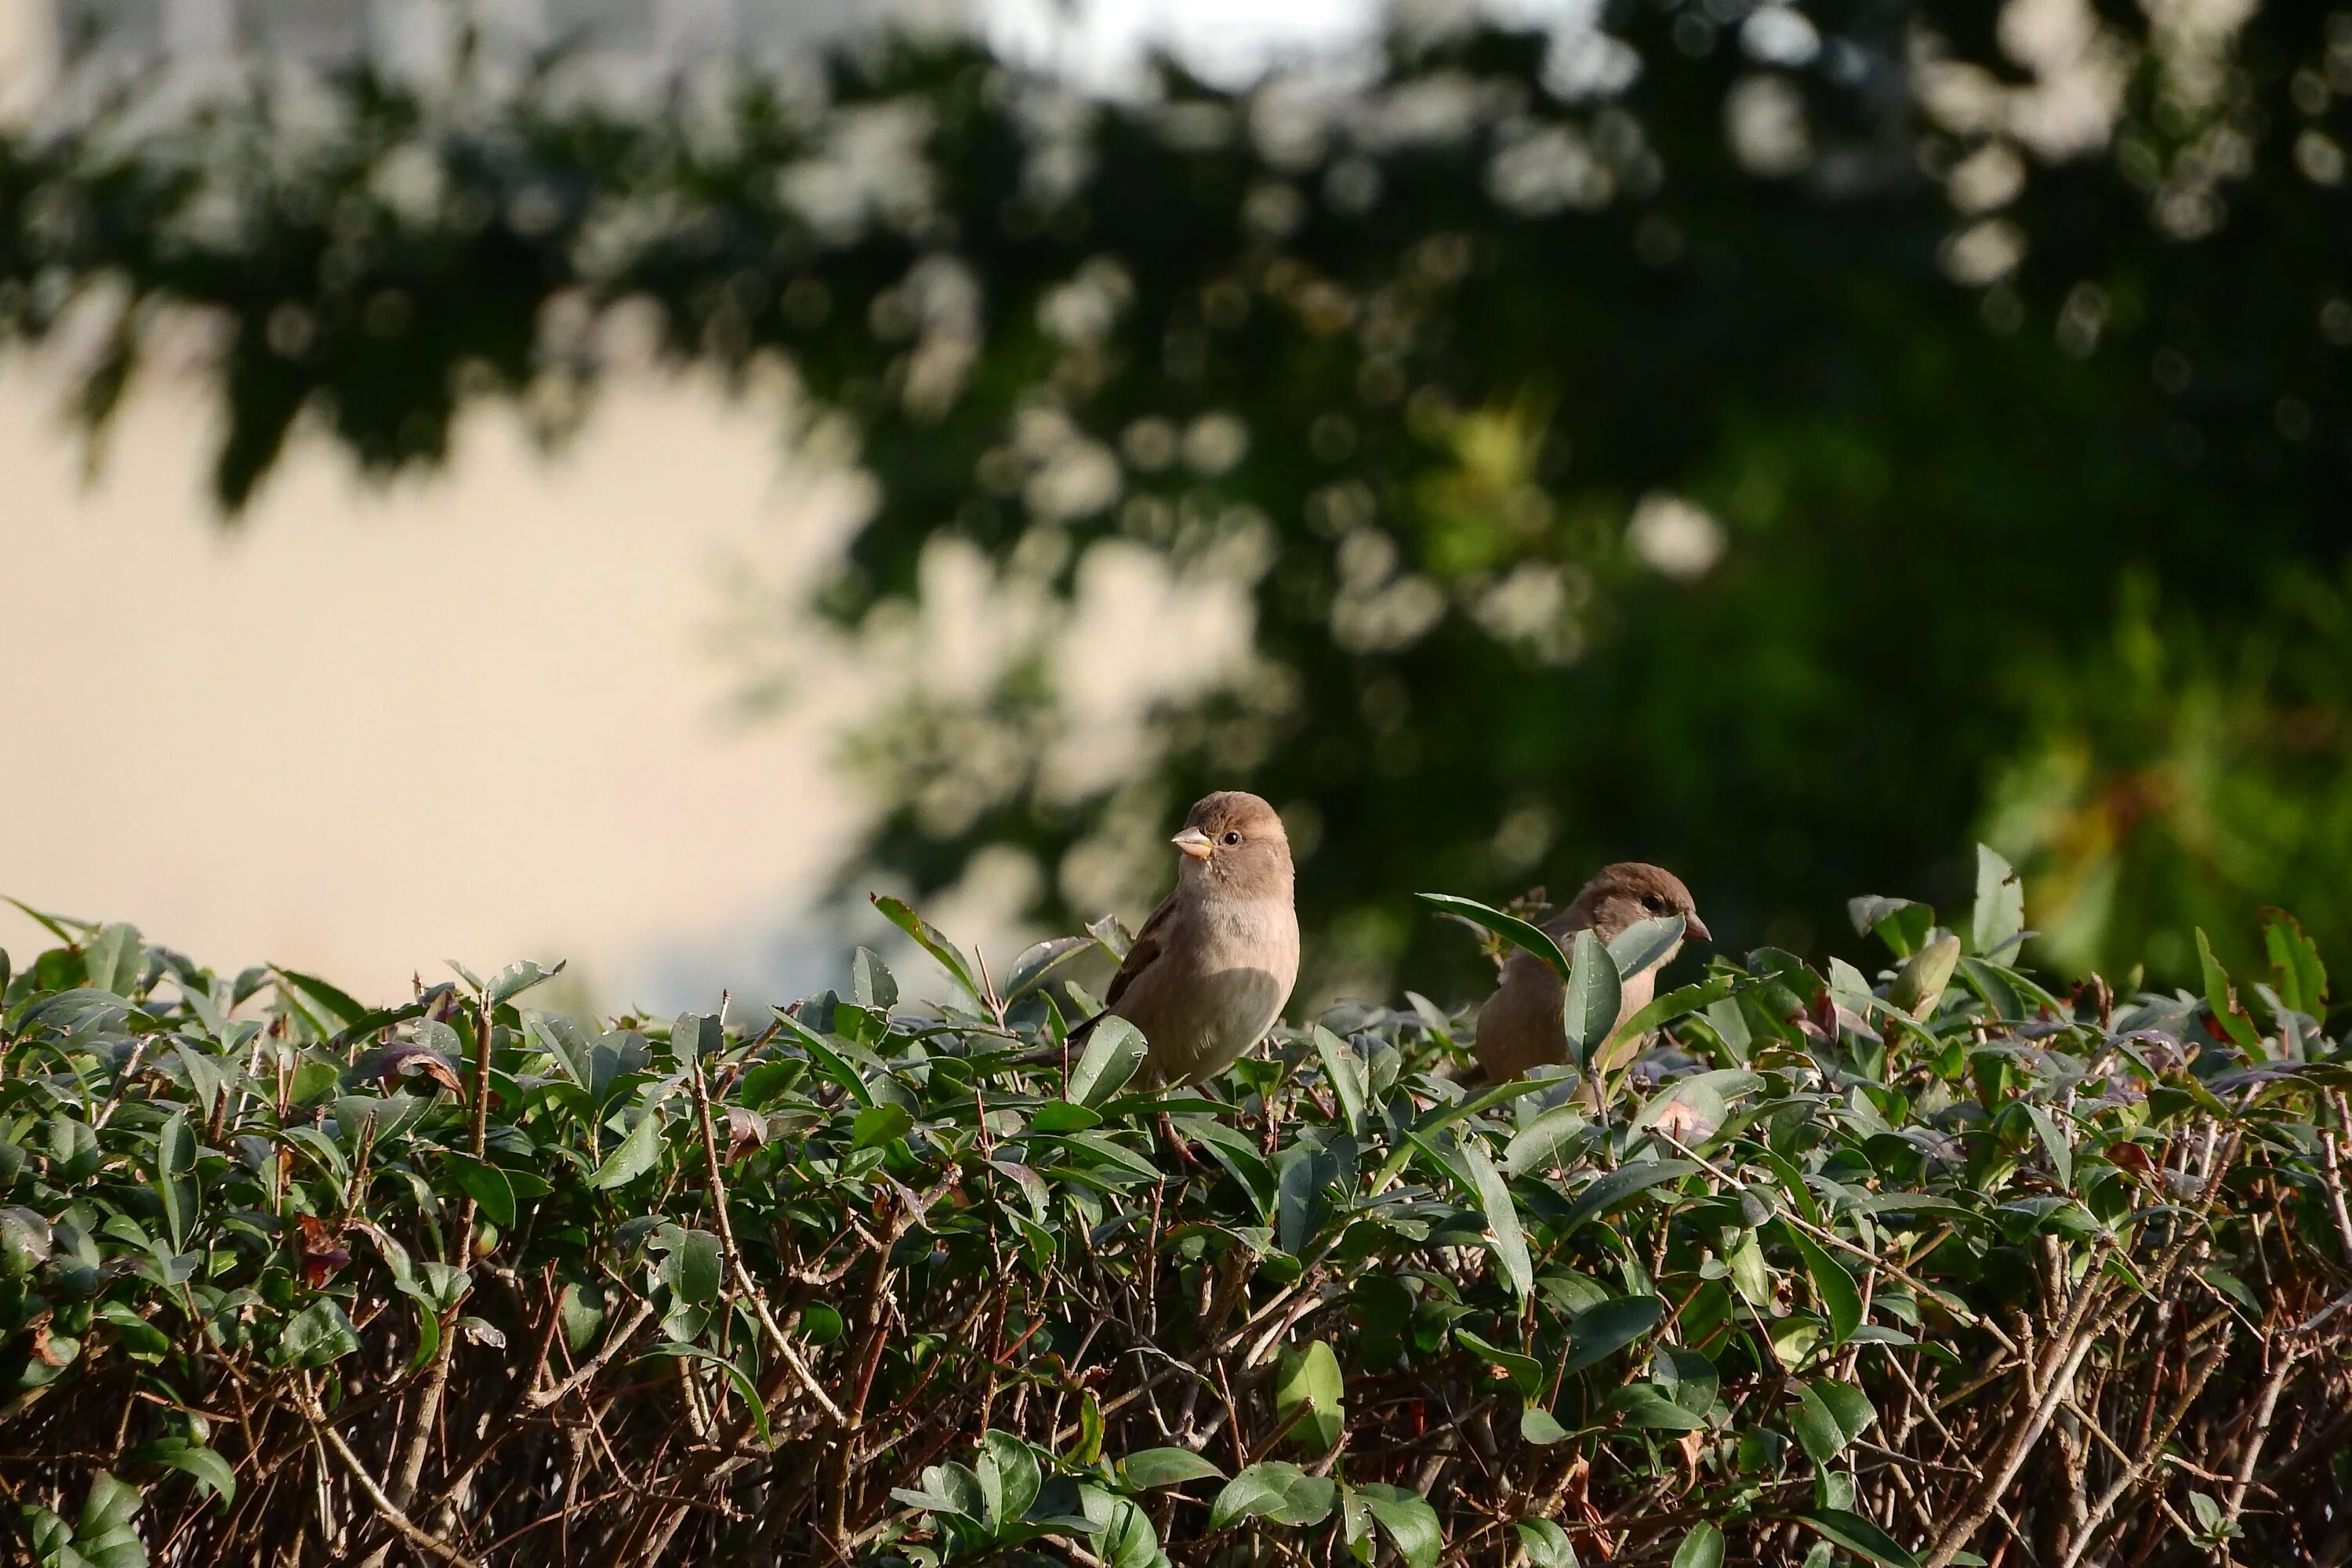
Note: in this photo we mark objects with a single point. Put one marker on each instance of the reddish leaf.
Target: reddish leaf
(48, 1354)
(1690, 1444)
(323, 1251)
(408, 1060)
(746, 1130)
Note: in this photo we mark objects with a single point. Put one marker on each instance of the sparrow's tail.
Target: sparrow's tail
(1469, 1074)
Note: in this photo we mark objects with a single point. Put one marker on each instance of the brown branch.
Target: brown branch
(389, 1511)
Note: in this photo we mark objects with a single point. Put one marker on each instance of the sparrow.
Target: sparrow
(1520, 1026)
(1211, 969)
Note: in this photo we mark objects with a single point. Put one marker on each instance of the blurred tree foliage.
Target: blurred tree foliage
(1773, 441)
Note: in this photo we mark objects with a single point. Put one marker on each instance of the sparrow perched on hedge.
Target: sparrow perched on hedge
(1211, 968)
(1520, 1026)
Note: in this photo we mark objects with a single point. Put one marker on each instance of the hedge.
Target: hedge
(1931, 1266)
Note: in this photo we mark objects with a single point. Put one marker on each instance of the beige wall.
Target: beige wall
(480, 716)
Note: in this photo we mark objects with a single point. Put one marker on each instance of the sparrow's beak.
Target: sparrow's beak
(1694, 926)
(1193, 842)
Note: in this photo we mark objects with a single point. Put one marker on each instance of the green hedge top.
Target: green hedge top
(1844, 1265)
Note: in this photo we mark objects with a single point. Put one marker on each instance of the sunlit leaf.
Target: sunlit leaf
(2000, 912)
(1858, 1535)
(1702, 1547)
(637, 1154)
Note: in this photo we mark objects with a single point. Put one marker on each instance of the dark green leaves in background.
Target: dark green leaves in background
(1769, 458)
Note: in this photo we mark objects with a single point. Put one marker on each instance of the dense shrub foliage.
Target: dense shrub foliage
(1938, 1266)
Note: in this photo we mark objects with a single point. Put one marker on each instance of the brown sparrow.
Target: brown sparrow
(1520, 1026)
(1211, 968)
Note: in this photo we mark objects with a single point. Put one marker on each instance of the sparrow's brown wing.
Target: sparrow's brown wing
(1149, 943)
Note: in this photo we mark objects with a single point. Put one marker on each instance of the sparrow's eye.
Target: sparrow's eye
(1655, 904)
(1232, 837)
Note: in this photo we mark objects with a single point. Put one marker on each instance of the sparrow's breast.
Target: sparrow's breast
(1243, 972)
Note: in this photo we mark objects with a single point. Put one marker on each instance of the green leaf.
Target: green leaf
(111, 1505)
(1644, 944)
(317, 1335)
(1344, 1070)
(870, 981)
(1687, 1377)
(2222, 999)
(1540, 1428)
(1273, 1490)
(1702, 1548)
(61, 926)
(2053, 1143)
(1833, 1285)
(583, 1312)
(1061, 1116)
(1128, 1539)
(1700, 1097)
(1510, 928)
(1919, 984)
(1502, 1219)
(1609, 1328)
(1588, 1007)
(1409, 1522)
(693, 1266)
(695, 1036)
(2294, 959)
(175, 1158)
(1534, 1146)
(2000, 902)
(1009, 1479)
(951, 957)
(1299, 1197)
(115, 959)
(1307, 1394)
(26, 1242)
(1546, 1544)
(1850, 1405)
(877, 1126)
(517, 978)
(1115, 1049)
(947, 1488)
(829, 1061)
(1900, 924)
(1151, 1468)
(1676, 1003)
(1038, 966)
(1859, 1535)
(638, 1154)
(1606, 1192)
(320, 993)
(1819, 1425)
(1525, 1370)
(486, 1185)
(2235, 1289)
(214, 1472)
(1643, 1405)
(744, 1387)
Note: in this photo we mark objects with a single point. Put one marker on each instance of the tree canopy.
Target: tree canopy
(1773, 441)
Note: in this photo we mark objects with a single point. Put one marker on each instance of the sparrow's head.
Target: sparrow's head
(1631, 891)
(1233, 842)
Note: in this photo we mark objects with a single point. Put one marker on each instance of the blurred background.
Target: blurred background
(621, 478)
